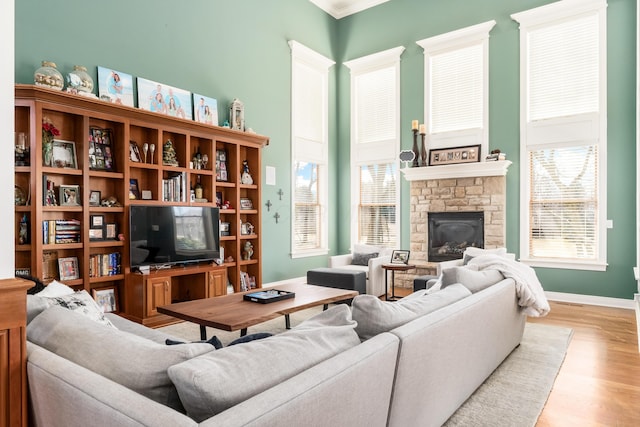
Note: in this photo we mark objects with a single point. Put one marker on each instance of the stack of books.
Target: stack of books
(58, 231)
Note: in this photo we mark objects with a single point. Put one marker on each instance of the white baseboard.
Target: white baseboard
(591, 300)
(302, 279)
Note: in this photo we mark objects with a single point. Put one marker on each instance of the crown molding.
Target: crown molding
(341, 8)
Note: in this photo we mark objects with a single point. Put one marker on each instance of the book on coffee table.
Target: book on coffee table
(271, 295)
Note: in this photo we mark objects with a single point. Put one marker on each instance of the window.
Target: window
(563, 135)
(375, 143)
(309, 150)
(456, 87)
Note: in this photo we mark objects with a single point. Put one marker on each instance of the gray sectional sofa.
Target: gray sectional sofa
(435, 352)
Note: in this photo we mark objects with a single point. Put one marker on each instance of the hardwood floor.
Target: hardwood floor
(599, 381)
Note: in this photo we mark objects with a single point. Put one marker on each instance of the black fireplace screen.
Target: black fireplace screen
(450, 233)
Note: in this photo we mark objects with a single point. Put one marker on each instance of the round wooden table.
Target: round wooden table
(393, 267)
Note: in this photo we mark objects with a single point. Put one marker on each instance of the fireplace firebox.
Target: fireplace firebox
(450, 233)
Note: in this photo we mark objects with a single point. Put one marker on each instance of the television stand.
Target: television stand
(146, 292)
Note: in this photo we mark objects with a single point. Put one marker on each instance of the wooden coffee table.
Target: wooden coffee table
(232, 313)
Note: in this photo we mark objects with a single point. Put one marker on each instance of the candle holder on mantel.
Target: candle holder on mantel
(416, 151)
(423, 155)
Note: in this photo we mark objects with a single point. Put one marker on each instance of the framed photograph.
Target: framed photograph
(94, 198)
(163, 99)
(107, 298)
(246, 203)
(68, 268)
(96, 234)
(450, 156)
(246, 229)
(225, 229)
(134, 152)
(236, 115)
(101, 149)
(97, 221)
(63, 154)
(69, 195)
(400, 257)
(134, 191)
(205, 109)
(115, 86)
(219, 198)
(111, 231)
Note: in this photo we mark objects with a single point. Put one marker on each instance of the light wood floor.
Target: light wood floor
(599, 381)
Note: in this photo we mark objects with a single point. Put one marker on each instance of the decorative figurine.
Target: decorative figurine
(23, 235)
(169, 154)
(246, 176)
(236, 114)
(248, 250)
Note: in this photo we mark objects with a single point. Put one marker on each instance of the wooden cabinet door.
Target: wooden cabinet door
(217, 283)
(158, 294)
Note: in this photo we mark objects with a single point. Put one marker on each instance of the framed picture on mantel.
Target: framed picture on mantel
(450, 156)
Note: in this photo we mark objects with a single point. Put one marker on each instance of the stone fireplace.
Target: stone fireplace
(460, 188)
(450, 233)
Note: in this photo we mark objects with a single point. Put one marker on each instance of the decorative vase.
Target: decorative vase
(47, 152)
(416, 151)
(80, 80)
(48, 76)
(423, 154)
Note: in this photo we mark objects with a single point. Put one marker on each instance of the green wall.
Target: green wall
(239, 49)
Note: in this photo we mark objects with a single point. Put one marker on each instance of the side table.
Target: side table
(393, 267)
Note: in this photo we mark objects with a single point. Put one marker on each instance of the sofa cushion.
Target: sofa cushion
(472, 279)
(134, 362)
(80, 302)
(213, 382)
(55, 289)
(375, 316)
(471, 252)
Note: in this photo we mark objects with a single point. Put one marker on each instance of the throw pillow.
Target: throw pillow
(375, 316)
(127, 359)
(214, 341)
(55, 289)
(82, 303)
(363, 259)
(218, 380)
(471, 252)
(472, 279)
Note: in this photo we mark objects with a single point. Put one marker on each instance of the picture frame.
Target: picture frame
(246, 229)
(69, 195)
(246, 203)
(96, 234)
(134, 152)
(454, 155)
(63, 154)
(236, 114)
(115, 86)
(96, 221)
(101, 149)
(164, 99)
(106, 298)
(95, 197)
(205, 109)
(111, 231)
(225, 229)
(400, 256)
(68, 268)
(219, 199)
(134, 191)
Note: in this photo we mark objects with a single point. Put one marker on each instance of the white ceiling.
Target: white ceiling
(341, 8)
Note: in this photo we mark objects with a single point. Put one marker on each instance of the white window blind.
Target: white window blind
(457, 94)
(377, 207)
(308, 95)
(307, 224)
(376, 106)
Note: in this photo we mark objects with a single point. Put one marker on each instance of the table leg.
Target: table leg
(287, 321)
(386, 284)
(203, 333)
(393, 285)
(243, 332)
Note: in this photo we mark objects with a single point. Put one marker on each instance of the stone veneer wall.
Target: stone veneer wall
(487, 194)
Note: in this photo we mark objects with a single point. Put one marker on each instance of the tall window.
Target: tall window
(375, 143)
(457, 87)
(309, 150)
(563, 134)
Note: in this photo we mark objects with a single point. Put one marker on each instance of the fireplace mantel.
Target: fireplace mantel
(461, 170)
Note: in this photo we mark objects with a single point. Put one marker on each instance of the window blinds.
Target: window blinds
(306, 227)
(377, 207)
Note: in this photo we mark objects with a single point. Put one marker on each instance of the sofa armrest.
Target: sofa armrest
(340, 260)
(375, 284)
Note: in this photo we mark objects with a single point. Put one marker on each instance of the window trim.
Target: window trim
(532, 19)
(301, 54)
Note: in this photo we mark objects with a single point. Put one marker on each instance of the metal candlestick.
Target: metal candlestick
(424, 151)
(416, 152)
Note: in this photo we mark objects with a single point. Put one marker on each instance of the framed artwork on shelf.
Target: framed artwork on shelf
(94, 198)
(69, 195)
(63, 154)
(225, 229)
(107, 298)
(221, 166)
(100, 149)
(97, 221)
(134, 191)
(246, 203)
(111, 231)
(163, 99)
(400, 257)
(68, 268)
(115, 86)
(450, 156)
(205, 109)
(96, 234)
(246, 228)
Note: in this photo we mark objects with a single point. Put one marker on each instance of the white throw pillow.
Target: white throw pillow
(79, 302)
(472, 252)
(55, 289)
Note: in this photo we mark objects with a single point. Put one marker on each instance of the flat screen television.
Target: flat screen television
(173, 235)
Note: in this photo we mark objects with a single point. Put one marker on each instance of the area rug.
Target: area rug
(514, 395)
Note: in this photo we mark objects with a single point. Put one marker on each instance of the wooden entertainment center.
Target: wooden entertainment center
(109, 176)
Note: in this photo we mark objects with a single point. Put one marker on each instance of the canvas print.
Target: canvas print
(163, 99)
(115, 86)
(205, 109)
